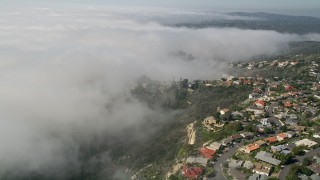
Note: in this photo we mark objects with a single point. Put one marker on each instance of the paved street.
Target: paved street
(284, 172)
(271, 115)
(222, 159)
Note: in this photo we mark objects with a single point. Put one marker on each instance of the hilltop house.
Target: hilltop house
(210, 122)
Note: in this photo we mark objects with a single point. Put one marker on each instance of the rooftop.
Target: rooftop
(267, 157)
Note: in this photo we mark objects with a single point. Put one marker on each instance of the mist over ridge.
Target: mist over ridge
(66, 73)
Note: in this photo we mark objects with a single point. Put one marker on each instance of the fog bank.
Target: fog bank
(67, 72)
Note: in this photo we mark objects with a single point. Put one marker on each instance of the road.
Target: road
(284, 172)
(220, 160)
(271, 115)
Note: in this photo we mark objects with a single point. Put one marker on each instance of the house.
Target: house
(265, 122)
(299, 128)
(253, 95)
(198, 160)
(281, 136)
(248, 165)
(267, 157)
(289, 88)
(288, 104)
(316, 136)
(236, 174)
(235, 163)
(249, 148)
(226, 141)
(303, 177)
(262, 169)
(258, 91)
(259, 103)
(224, 111)
(315, 168)
(291, 122)
(257, 177)
(293, 116)
(315, 177)
(280, 115)
(291, 146)
(317, 159)
(247, 135)
(281, 148)
(192, 173)
(260, 142)
(278, 148)
(236, 136)
(256, 110)
(237, 114)
(209, 121)
(294, 94)
(291, 134)
(271, 140)
(305, 142)
(214, 146)
(207, 153)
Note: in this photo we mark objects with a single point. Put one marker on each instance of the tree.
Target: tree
(284, 158)
(306, 161)
(268, 130)
(293, 173)
(299, 150)
(305, 170)
(217, 115)
(272, 178)
(226, 116)
(284, 128)
(251, 127)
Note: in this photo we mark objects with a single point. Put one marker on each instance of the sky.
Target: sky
(292, 7)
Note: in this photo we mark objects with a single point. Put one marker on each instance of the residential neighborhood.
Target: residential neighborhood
(279, 125)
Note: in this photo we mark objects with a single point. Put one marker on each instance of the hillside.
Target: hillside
(264, 21)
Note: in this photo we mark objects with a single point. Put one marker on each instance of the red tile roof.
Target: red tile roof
(288, 104)
(271, 139)
(207, 153)
(259, 102)
(252, 147)
(289, 88)
(192, 173)
(282, 135)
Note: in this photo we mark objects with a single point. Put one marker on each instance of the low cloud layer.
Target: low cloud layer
(68, 70)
